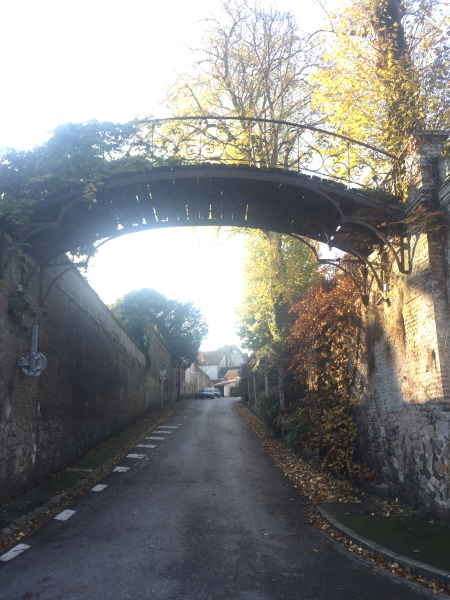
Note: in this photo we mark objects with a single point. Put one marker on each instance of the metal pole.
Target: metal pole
(162, 378)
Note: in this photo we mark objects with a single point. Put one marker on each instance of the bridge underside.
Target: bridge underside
(274, 200)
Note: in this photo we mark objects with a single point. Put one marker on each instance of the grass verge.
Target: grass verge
(105, 457)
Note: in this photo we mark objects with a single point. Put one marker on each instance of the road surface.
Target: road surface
(202, 515)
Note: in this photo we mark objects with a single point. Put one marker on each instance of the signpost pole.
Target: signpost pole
(162, 379)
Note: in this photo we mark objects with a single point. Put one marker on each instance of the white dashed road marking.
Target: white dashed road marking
(99, 488)
(155, 438)
(121, 469)
(168, 427)
(14, 552)
(161, 431)
(136, 455)
(146, 446)
(65, 514)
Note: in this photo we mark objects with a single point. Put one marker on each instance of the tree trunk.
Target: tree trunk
(281, 386)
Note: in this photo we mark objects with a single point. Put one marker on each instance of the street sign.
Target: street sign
(34, 362)
(162, 373)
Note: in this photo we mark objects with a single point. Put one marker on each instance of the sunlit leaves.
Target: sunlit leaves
(253, 62)
(277, 270)
(387, 70)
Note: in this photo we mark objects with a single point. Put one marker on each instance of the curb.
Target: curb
(417, 568)
(19, 523)
(25, 519)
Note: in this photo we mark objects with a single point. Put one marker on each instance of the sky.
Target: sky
(109, 60)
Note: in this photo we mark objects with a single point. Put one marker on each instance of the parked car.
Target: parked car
(209, 393)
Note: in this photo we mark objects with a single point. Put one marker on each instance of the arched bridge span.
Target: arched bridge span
(198, 195)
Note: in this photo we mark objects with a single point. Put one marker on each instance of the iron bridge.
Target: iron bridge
(200, 173)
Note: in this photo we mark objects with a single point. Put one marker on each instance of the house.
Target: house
(230, 380)
(216, 363)
(191, 380)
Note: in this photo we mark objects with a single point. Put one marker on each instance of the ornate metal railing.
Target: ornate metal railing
(267, 143)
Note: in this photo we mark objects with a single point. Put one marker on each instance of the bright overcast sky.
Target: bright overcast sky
(108, 60)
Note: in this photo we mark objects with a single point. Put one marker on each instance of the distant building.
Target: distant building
(230, 380)
(192, 380)
(216, 363)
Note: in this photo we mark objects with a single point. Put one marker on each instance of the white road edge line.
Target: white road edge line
(14, 552)
(99, 488)
(65, 514)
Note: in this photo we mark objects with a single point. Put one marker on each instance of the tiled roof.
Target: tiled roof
(232, 375)
(210, 358)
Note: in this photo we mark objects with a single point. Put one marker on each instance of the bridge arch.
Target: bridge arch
(200, 173)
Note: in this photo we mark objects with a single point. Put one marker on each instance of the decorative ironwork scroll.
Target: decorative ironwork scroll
(266, 143)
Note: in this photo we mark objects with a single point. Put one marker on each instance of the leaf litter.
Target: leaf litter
(322, 487)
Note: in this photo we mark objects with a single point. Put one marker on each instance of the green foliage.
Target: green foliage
(277, 270)
(78, 156)
(294, 426)
(268, 407)
(181, 325)
(385, 69)
(17, 307)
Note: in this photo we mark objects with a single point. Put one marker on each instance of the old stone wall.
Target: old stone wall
(404, 419)
(96, 383)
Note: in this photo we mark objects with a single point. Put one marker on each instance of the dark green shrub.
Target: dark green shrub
(294, 426)
(268, 407)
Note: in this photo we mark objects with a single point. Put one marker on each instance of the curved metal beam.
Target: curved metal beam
(345, 138)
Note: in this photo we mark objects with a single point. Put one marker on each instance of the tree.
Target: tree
(385, 70)
(254, 62)
(278, 269)
(77, 155)
(324, 344)
(181, 325)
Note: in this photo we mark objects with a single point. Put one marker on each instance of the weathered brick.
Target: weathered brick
(404, 419)
(96, 383)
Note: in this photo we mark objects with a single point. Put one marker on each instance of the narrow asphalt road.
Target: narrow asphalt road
(203, 515)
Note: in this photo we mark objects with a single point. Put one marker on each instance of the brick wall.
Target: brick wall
(404, 419)
(96, 383)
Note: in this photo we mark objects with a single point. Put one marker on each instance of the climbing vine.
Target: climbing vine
(77, 156)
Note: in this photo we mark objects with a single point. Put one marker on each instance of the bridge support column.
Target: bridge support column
(422, 177)
(404, 418)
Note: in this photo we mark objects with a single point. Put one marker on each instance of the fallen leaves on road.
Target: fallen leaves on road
(319, 487)
(312, 483)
